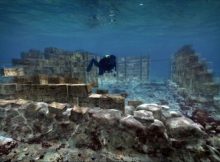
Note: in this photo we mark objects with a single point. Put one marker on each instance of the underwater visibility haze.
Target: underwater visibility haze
(110, 80)
(120, 27)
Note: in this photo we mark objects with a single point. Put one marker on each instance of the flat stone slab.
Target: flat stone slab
(19, 102)
(56, 107)
(81, 110)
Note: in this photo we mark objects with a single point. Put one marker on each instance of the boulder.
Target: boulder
(175, 114)
(6, 145)
(145, 117)
(183, 128)
(157, 126)
(107, 116)
(131, 123)
(154, 108)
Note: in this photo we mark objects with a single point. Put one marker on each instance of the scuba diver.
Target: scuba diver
(106, 64)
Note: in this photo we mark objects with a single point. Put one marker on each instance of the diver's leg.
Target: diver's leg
(101, 71)
(89, 67)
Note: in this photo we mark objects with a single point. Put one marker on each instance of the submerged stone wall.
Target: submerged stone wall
(129, 68)
(54, 62)
(192, 74)
(78, 94)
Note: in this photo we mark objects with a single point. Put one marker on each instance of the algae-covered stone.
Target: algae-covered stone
(154, 108)
(131, 123)
(108, 116)
(6, 145)
(184, 128)
(145, 117)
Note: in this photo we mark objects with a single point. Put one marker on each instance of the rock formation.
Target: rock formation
(63, 132)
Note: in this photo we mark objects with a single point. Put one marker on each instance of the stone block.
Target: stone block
(12, 72)
(112, 102)
(57, 108)
(4, 102)
(79, 90)
(107, 101)
(40, 79)
(78, 113)
(154, 108)
(184, 129)
(134, 103)
(71, 80)
(131, 123)
(145, 117)
(8, 89)
(22, 80)
(107, 117)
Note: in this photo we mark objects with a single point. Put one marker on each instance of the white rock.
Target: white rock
(175, 114)
(154, 108)
(165, 107)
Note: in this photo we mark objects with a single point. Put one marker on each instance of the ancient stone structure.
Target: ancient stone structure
(54, 65)
(192, 74)
(60, 132)
(130, 68)
(133, 68)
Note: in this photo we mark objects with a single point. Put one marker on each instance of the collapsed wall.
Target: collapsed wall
(192, 74)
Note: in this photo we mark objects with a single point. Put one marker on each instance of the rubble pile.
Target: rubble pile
(64, 132)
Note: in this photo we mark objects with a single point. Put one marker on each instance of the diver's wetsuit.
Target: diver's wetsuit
(106, 64)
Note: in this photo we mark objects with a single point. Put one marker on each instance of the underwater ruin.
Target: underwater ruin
(109, 81)
(53, 110)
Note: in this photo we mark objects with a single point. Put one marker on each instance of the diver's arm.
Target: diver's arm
(93, 61)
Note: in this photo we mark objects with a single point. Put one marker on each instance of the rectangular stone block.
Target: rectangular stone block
(8, 89)
(112, 102)
(79, 90)
(22, 80)
(11, 72)
(4, 102)
(57, 108)
(40, 79)
(107, 101)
